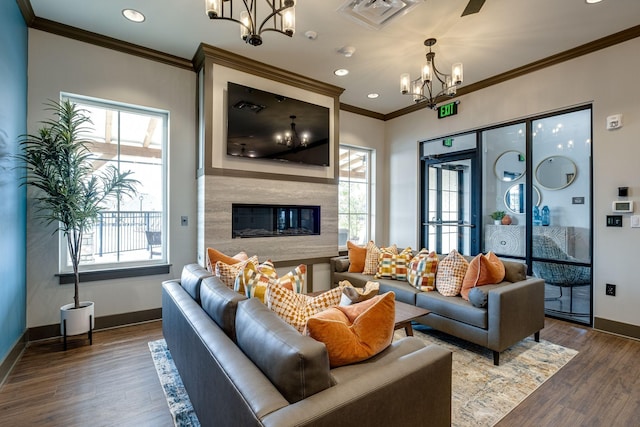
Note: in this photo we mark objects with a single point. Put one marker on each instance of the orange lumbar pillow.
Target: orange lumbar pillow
(483, 270)
(355, 332)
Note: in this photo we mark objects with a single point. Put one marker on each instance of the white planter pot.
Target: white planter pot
(497, 221)
(79, 320)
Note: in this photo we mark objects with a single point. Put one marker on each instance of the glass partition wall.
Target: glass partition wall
(530, 200)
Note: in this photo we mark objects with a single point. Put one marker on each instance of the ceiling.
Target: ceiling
(504, 35)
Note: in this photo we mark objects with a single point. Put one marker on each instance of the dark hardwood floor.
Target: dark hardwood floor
(110, 383)
(114, 383)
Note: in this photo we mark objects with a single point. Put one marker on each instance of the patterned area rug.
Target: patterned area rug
(482, 393)
(177, 398)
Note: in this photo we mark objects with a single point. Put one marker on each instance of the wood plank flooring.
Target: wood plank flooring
(110, 383)
(114, 383)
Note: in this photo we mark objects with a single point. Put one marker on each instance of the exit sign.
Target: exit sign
(446, 110)
(447, 142)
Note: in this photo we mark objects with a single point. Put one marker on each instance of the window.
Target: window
(354, 205)
(130, 232)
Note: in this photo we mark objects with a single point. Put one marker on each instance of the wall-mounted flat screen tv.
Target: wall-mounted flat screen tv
(264, 125)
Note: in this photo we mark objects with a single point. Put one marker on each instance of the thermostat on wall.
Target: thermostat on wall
(622, 206)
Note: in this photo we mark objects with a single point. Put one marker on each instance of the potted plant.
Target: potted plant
(497, 217)
(69, 192)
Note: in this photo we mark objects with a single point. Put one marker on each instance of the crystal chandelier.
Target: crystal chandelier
(290, 138)
(280, 17)
(422, 88)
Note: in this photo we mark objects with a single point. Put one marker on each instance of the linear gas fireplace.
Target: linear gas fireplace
(263, 220)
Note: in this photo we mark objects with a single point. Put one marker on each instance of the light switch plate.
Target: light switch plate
(635, 221)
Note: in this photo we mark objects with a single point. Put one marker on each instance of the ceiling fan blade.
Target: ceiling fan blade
(473, 6)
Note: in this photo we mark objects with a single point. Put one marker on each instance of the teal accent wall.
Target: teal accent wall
(13, 123)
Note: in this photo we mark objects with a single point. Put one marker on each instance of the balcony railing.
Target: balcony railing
(125, 231)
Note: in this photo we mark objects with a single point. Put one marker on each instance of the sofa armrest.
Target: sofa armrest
(515, 311)
(414, 388)
(337, 265)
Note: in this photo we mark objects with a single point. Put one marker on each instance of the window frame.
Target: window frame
(370, 154)
(123, 268)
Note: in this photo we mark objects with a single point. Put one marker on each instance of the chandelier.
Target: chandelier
(290, 138)
(280, 17)
(422, 88)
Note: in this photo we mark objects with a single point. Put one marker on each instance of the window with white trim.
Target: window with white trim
(130, 232)
(354, 204)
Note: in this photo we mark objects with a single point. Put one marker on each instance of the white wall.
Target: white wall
(361, 131)
(606, 78)
(59, 64)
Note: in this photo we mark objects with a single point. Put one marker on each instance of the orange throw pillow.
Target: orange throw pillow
(357, 255)
(214, 255)
(355, 332)
(483, 270)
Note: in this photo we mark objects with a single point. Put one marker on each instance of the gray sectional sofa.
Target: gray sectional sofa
(244, 366)
(514, 309)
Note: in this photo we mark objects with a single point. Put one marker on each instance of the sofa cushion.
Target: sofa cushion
(357, 256)
(297, 365)
(353, 295)
(451, 271)
(258, 279)
(229, 272)
(220, 303)
(478, 297)
(373, 254)
(393, 265)
(295, 309)
(191, 278)
(214, 255)
(453, 308)
(483, 270)
(514, 271)
(421, 273)
(356, 332)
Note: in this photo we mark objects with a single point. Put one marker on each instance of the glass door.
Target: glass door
(449, 202)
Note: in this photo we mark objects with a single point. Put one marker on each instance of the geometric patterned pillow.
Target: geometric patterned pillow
(227, 273)
(295, 309)
(295, 279)
(393, 266)
(450, 274)
(258, 279)
(422, 269)
(372, 258)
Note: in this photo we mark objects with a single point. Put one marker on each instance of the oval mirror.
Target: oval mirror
(515, 196)
(556, 172)
(510, 166)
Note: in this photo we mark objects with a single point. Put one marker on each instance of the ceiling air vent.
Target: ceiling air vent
(376, 13)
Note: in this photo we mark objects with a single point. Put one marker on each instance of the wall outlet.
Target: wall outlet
(610, 290)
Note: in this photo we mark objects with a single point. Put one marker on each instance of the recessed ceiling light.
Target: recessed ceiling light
(133, 15)
(341, 72)
(593, 1)
(373, 95)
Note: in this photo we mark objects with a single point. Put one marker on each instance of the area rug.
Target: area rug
(177, 397)
(482, 394)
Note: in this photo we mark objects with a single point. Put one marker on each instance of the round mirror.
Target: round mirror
(556, 172)
(514, 198)
(510, 166)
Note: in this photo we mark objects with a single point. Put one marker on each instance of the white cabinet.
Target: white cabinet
(510, 239)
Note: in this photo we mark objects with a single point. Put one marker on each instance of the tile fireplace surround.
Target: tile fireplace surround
(217, 195)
